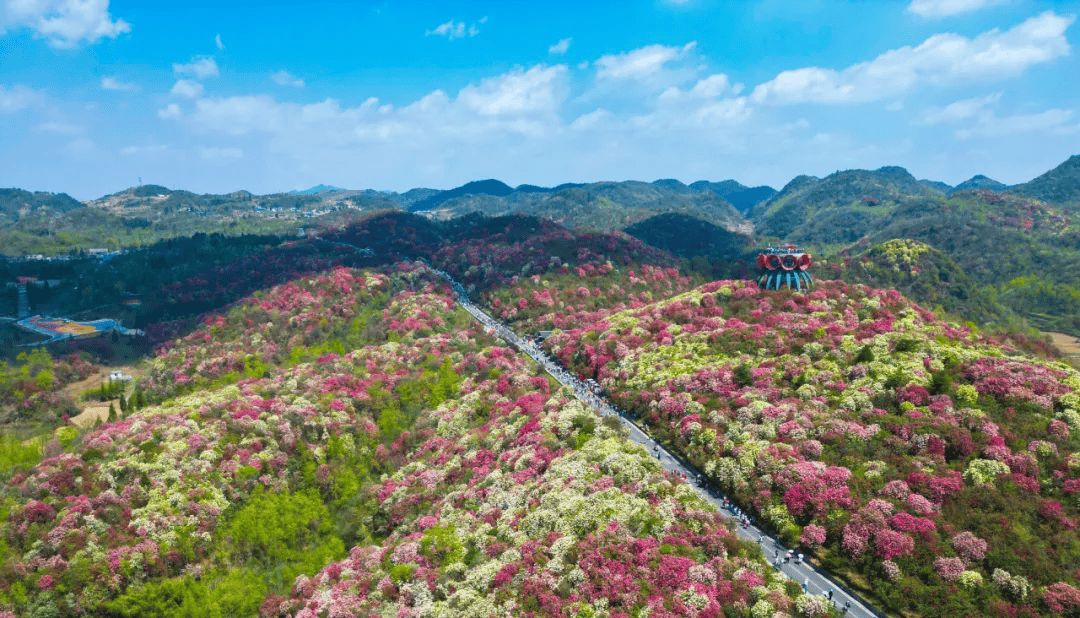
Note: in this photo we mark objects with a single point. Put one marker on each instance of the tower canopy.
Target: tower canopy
(784, 267)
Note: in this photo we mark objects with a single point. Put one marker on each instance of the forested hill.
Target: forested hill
(16, 204)
(1060, 185)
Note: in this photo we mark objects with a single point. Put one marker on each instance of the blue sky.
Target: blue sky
(271, 96)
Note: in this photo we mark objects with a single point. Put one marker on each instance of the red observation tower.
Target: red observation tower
(784, 267)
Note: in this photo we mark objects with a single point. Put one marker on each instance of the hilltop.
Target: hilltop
(1060, 185)
(687, 236)
(978, 182)
(16, 204)
(839, 208)
(921, 273)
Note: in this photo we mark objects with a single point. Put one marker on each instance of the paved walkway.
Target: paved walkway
(813, 580)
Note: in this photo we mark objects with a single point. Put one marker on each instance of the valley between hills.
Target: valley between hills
(311, 423)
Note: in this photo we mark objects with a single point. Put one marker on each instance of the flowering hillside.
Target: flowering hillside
(483, 252)
(921, 273)
(937, 466)
(581, 295)
(30, 389)
(354, 444)
(497, 250)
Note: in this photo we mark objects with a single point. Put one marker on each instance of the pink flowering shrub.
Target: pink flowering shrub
(813, 535)
(949, 568)
(889, 544)
(969, 546)
(919, 505)
(1061, 597)
(897, 490)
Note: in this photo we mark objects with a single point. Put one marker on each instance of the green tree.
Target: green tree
(234, 593)
(283, 535)
(44, 379)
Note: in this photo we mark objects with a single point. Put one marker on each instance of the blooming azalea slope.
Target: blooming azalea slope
(354, 443)
(940, 464)
(582, 296)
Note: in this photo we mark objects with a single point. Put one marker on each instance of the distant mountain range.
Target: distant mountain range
(847, 205)
(602, 206)
(828, 212)
(844, 205)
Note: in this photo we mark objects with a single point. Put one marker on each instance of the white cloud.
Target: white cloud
(560, 47)
(111, 83)
(200, 66)
(285, 78)
(678, 110)
(706, 89)
(536, 90)
(238, 115)
(960, 110)
(171, 111)
(640, 63)
(187, 88)
(978, 114)
(61, 128)
(1054, 121)
(591, 119)
(64, 23)
(218, 43)
(942, 58)
(944, 8)
(143, 150)
(584, 64)
(452, 30)
(18, 97)
(218, 154)
(520, 102)
(711, 86)
(895, 106)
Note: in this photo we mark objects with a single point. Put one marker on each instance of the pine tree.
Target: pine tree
(112, 412)
(123, 405)
(102, 395)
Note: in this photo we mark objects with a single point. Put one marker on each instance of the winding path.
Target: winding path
(814, 581)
